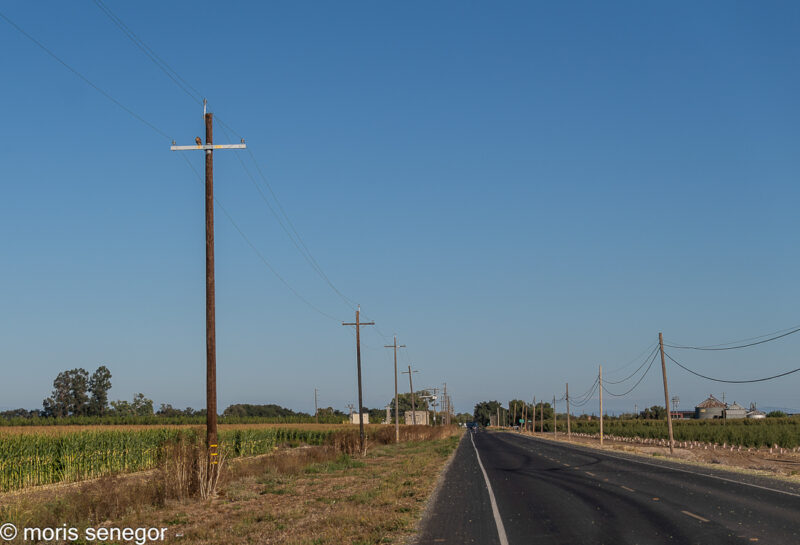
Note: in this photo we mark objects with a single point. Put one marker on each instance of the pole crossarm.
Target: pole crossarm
(208, 147)
(359, 323)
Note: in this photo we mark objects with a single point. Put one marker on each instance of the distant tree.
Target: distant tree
(463, 418)
(168, 410)
(656, 412)
(264, 411)
(485, 409)
(20, 413)
(404, 402)
(70, 394)
(331, 412)
(99, 385)
(776, 414)
(141, 405)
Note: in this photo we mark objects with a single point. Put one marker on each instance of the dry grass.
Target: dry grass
(304, 495)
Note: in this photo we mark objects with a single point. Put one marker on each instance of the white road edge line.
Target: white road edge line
(501, 531)
(630, 460)
(698, 517)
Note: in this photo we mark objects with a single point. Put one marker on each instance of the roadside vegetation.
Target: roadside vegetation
(784, 432)
(322, 494)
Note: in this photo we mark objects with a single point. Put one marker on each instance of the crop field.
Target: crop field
(784, 432)
(64, 454)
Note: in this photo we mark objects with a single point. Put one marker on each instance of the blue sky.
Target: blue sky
(519, 192)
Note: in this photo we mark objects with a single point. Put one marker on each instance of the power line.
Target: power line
(86, 80)
(634, 373)
(260, 255)
(195, 95)
(187, 88)
(716, 347)
(730, 381)
(655, 353)
(633, 360)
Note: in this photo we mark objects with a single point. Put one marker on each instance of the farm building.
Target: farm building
(354, 418)
(421, 418)
(710, 408)
(734, 410)
(755, 413)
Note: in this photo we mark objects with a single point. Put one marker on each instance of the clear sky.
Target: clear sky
(520, 191)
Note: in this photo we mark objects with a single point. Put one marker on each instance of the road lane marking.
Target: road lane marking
(631, 460)
(589, 473)
(628, 489)
(655, 499)
(501, 531)
(565, 465)
(698, 517)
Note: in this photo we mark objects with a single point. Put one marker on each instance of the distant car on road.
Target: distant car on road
(472, 426)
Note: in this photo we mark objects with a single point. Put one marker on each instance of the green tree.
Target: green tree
(485, 409)
(99, 385)
(776, 414)
(70, 394)
(656, 412)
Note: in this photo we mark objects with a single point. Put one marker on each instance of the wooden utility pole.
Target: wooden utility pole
(569, 431)
(555, 418)
(411, 387)
(514, 420)
(498, 416)
(446, 408)
(211, 335)
(666, 394)
(541, 427)
(358, 323)
(316, 407)
(600, 378)
(395, 346)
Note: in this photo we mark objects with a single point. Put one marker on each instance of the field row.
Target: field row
(37, 459)
(784, 432)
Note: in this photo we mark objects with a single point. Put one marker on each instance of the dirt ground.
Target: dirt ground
(784, 464)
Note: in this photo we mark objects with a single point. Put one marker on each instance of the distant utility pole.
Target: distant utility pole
(358, 323)
(316, 408)
(396, 401)
(446, 407)
(541, 427)
(666, 394)
(555, 422)
(600, 379)
(498, 416)
(514, 420)
(411, 387)
(569, 431)
(211, 335)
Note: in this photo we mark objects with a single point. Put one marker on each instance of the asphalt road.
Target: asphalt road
(547, 492)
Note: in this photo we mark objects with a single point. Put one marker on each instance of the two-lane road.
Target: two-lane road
(504, 488)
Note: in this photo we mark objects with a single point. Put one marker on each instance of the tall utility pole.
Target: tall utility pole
(444, 403)
(569, 431)
(666, 394)
(541, 427)
(316, 408)
(555, 423)
(600, 379)
(396, 401)
(358, 323)
(211, 334)
(411, 387)
(446, 407)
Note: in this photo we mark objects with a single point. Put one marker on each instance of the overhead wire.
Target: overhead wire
(729, 381)
(86, 80)
(634, 373)
(294, 235)
(259, 254)
(785, 333)
(632, 361)
(187, 88)
(637, 382)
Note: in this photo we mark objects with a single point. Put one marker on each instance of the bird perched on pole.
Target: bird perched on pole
(198, 141)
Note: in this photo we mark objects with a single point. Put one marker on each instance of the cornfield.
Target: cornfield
(32, 459)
